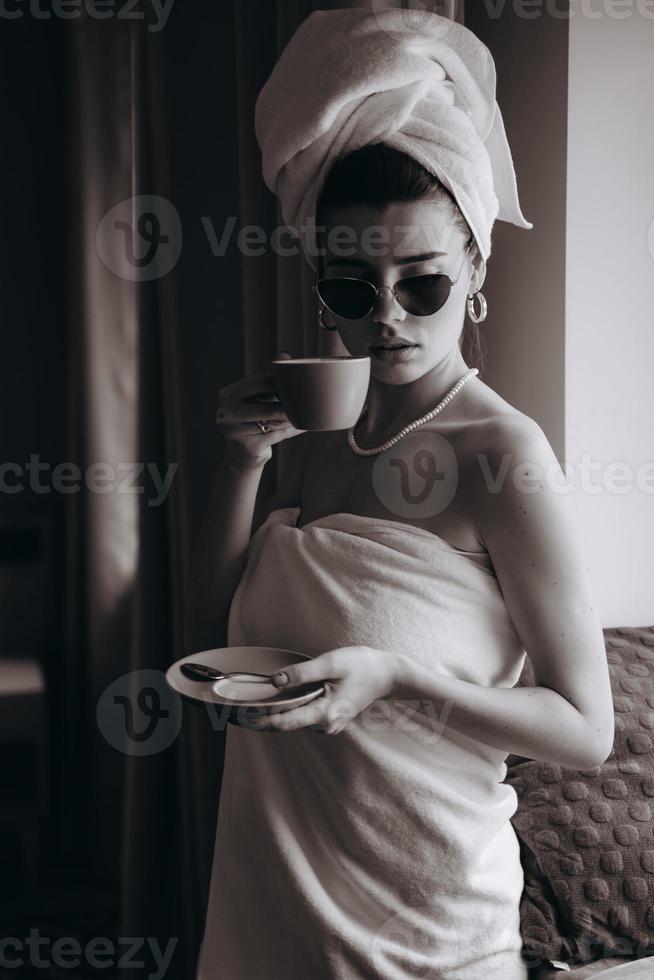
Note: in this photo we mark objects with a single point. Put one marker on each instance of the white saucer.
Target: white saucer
(239, 694)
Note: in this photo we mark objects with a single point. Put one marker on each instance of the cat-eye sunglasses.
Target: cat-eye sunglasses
(352, 299)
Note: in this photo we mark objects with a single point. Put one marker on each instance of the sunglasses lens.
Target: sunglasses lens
(424, 295)
(347, 298)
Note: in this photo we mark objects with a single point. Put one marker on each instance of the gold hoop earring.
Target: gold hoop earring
(322, 322)
(483, 307)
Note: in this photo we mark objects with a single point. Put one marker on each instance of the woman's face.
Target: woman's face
(376, 246)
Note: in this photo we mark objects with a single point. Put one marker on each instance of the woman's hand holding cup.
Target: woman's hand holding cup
(240, 406)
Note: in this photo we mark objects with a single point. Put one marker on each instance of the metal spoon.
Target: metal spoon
(200, 672)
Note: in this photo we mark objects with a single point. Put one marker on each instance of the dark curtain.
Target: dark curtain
(166, 114)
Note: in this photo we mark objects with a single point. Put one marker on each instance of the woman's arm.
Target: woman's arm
(289, 491)
(220, 551)
(532, 537)
(219, 554)
(533, 722)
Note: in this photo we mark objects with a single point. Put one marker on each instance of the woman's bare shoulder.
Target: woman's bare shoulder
(494, 424)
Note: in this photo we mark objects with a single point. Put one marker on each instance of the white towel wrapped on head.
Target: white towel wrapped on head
(424, 85)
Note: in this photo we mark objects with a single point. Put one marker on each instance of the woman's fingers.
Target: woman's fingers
(259, 403)
(247, 389)
(288, 721)
(245, 430)
(261, 381)
(245, 402)
(250, 413)
(321, 715)
(321, 667)
(251, 398)
(262, 398)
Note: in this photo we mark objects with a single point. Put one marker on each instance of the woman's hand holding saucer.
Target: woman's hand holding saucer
(353, 677)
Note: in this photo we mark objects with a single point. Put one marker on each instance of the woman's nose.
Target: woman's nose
(386, 305)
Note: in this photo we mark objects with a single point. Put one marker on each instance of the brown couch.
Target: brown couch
(587, 837)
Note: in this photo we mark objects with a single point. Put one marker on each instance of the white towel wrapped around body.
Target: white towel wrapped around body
(415, 81)
(385, 852)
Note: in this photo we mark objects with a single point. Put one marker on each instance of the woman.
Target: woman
(367, 834)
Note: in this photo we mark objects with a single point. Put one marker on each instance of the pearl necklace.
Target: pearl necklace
(412, 425)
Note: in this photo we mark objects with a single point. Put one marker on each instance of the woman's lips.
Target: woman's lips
(393, 354)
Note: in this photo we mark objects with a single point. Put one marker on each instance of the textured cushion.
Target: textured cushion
(587, 836)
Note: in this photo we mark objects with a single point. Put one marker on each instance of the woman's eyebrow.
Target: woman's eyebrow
(404, 260)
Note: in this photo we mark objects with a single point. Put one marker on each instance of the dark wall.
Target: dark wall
(32, 309)
(525, 286)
